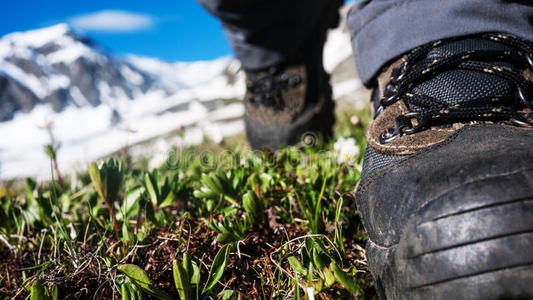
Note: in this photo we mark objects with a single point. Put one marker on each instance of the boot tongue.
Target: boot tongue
(456, 86)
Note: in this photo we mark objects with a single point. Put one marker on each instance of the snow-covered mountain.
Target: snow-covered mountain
(56, 84)
(60, 67)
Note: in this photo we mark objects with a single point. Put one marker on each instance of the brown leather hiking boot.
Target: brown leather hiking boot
(286, 102)
(285, 107)
(446, 194)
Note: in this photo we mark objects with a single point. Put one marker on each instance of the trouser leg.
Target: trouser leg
(264, 33)
(382, 30)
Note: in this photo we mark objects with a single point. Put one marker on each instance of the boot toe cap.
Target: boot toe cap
(472, 242)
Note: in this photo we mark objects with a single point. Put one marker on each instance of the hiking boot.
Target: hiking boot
(446, 194)
(288, 102)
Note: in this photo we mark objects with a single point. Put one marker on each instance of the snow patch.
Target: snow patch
(78, 98)
(39, 37)
(131, 75)
(28, 80)
(72, 52)
(346, 87)
(336, 49)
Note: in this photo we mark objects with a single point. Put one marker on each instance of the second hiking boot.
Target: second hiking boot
(446, 194)
(287, 102)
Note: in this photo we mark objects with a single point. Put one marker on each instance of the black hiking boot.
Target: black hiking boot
(288, 102)
(446, 194)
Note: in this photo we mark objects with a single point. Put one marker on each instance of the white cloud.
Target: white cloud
(113, 21)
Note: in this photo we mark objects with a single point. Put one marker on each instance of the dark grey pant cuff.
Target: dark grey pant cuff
(382, 30)
(264, 33)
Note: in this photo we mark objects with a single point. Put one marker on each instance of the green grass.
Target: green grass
(215, 221)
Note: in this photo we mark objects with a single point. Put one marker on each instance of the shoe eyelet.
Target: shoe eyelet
(386, 101)
(410, 129)
(405, 68)
(378, 112)
(522, 95)
(529, 60)
(404, 125)
(524, 120)
(390, 95)
(294, 81)
(400, 77)
(390, 90)
(388, 135)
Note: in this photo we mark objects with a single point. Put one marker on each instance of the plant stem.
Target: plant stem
(113, 217)
(54, 159)
(58, 174)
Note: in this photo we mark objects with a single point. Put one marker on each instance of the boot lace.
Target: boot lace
(431, 111)
(266, 88)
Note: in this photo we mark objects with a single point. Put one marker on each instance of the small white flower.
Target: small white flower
(158, 160)
(346, 150)
(160, 157)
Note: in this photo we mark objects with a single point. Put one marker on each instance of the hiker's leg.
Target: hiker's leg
(264, 33)
(382, 30)
(279, 44)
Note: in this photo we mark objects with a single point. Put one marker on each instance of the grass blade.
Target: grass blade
(343, 278)
(217, 269)
(181, 280)
(39, 291)
(139, 278)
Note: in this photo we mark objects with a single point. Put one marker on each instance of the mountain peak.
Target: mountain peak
(58, 66)
(39, 37)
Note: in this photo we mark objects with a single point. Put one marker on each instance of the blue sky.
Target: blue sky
(170, 30)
